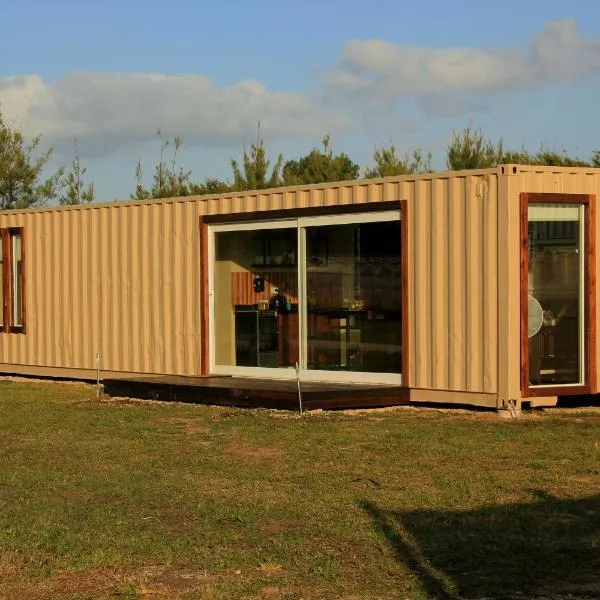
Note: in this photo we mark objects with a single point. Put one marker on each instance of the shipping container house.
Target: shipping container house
(473, 287)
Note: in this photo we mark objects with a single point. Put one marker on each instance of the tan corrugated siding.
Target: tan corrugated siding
(440, 280)
(491, 247)
(453, 254)
(118, 279)
(124, 278)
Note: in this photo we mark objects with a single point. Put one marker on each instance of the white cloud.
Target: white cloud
(376, 72)
(108, 110)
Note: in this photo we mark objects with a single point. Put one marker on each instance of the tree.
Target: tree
(168, 181)
(209, 186)
(388, 163)
(553, 158)
(254, 172)
(517, 157)
(544, 157)
(470, 149)
(21, 170)
(596, 158)
(320, 167)
(73, 187)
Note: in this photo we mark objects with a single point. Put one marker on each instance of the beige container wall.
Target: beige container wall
(120, 280)
(453, 307)
(124, 278)
(453, 245)
(532, 180)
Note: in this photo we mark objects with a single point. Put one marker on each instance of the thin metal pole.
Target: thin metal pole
(97, 374)
(299, 391)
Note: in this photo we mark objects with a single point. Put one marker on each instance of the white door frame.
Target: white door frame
(300, 224)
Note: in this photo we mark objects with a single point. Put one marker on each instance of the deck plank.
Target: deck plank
(255, 392)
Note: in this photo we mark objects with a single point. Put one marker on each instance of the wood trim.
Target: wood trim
(524, 270)
(5, 281)
(590, 384)
(404, 300)
(204, 300)
(590, 313)
(557, 390)
(310, 211)
(12, 327)
(551, 198)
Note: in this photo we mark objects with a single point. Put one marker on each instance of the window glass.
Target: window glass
(17, 279)
(1, 280)
(555, 293)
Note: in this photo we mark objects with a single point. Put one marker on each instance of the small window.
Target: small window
(16, 284)
(2, 307)
(12, 276)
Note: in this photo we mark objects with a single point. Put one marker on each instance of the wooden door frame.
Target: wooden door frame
(589, 289)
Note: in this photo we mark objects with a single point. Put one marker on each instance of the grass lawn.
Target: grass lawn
(124, 499)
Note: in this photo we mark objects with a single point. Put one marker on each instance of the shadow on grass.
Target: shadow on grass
(548, 548)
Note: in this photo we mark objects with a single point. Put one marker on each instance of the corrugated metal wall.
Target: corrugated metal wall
(453, 249)
(453, 246)
(124, 278)
(118, 279)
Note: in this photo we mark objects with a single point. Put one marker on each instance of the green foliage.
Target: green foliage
(552, 158)
(320, 167)
(543, 157)
(73, 187)
(20, 170)
(517, 157)
(470, 149)
(388, 163)
(168, 180)
(209, 186)
(254, 173)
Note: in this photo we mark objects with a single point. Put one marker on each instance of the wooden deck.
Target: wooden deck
(253, 392)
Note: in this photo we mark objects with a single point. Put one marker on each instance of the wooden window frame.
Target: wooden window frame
(4, 241)
(8, 282)
(588, 201)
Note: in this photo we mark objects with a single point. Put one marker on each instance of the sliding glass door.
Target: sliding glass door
(353, 308)
(321, 294)
(254, 297)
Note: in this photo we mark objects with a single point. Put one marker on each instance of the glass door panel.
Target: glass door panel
(353, 297)
(555, 306)
(255, 304)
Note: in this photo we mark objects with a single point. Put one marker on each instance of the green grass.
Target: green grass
(109, 499)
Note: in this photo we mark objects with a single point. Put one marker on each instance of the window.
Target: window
(12, 292)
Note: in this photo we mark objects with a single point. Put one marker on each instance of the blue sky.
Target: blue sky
(110, 73)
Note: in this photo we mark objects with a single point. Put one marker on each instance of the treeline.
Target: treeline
(22, 163)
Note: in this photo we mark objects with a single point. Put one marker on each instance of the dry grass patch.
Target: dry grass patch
(255, 453)
(189, 426)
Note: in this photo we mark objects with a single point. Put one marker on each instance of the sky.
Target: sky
(110, 74)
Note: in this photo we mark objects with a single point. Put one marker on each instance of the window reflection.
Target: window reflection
(555, 293)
